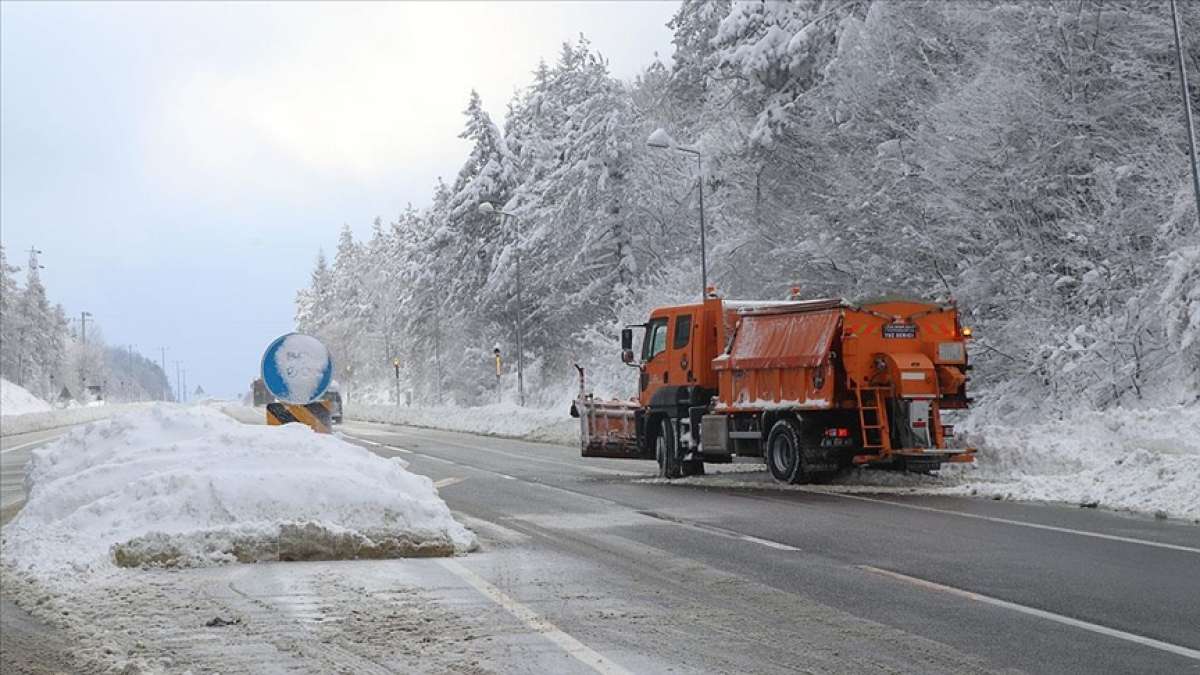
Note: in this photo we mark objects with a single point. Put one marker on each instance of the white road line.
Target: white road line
(581, 652)
(1041, 613)
(26, 445)
(439, 459)
(405, 451)
(1008, 521)
(768, 542)
(506, 476)
(447, 482)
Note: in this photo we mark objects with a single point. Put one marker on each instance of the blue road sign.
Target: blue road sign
(297, 368)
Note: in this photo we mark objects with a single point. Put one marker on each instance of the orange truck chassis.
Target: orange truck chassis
(811, 387)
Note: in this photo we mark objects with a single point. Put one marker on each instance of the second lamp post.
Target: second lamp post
(661, 139)
(487, 209)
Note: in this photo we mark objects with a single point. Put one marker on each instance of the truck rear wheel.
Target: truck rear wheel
(665, 451)
(784, 454)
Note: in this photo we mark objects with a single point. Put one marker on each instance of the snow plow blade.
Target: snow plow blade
(607, 428)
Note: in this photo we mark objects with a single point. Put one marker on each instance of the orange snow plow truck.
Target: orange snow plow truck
(811, 387)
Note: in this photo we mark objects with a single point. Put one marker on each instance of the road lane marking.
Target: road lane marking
(504, 475)
(26, 445)
(768, 542)
(447, 482)
(714, 529)
(405, 451)
(1040, 613)
(1009, 521)
(581, 652)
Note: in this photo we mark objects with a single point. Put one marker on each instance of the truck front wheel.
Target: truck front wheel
(665, 452)
(784, 453)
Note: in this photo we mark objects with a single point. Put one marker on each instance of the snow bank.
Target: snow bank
(1137, 460)
(178, 486)
(508, 420)
(16, 400)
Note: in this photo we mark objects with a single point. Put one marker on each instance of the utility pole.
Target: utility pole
(166, 382)
(184, 389)
(1187, 108)
(178, 396)
(83, 317)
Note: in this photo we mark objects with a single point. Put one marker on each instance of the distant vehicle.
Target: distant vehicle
(261, 394)
(334, 395)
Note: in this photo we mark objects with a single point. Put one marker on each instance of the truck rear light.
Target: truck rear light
(837, 432)
(947, 430)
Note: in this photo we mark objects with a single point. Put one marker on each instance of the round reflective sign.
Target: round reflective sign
(297, 368)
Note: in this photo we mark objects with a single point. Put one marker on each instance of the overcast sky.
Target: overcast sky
(180, 164)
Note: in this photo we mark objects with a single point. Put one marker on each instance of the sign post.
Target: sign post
(396, 366)
(496, 353)
(297, 369)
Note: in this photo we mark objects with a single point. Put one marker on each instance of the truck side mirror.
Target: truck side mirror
(627, 339)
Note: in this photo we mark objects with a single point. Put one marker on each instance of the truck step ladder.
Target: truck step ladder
(872, 418)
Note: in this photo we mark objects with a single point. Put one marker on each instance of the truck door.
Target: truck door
(682, 361)
(655, 361)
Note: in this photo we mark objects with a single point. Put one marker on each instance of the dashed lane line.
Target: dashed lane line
(1009, 521)
(447, 482)
(576, 649)
(1040, 613)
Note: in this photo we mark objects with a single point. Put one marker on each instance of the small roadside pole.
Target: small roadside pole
(396, 366)
(496, 353)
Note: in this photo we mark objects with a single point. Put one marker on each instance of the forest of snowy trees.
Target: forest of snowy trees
(1026, 159)
(44, 352)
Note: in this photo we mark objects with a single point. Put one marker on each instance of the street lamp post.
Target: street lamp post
(487, 209)
(661, 139)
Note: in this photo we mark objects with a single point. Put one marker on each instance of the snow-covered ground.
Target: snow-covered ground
(510, 420)
(184, 486)
(16, 400)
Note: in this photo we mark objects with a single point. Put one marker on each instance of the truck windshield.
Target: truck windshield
(656, 339)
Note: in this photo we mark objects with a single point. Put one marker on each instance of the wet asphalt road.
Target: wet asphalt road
(770, 579)
(652, 577)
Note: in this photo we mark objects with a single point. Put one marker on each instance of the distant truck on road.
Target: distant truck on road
(260, 394)
(812, 387)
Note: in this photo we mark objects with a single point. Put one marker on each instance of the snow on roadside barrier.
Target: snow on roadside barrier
(176, 486)
(500, 419)
(12, 425)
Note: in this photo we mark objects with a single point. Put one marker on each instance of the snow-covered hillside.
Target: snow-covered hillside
(16, 400)
(191, 486)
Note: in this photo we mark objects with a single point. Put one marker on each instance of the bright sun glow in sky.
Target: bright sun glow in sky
(180, 164)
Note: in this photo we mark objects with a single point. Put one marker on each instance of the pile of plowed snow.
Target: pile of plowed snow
(16, 400)
(177, 486)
